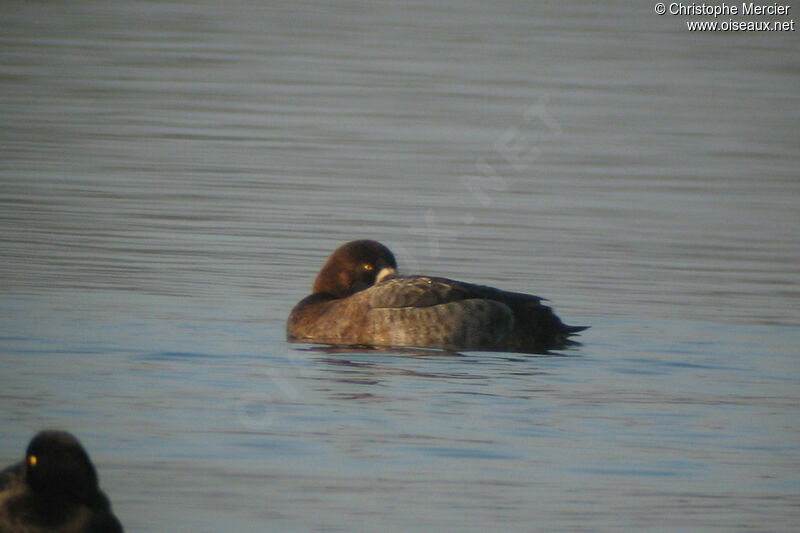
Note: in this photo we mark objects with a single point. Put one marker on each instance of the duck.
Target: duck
(54, 490)
(359, 299)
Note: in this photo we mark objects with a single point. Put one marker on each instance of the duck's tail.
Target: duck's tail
(572, 330)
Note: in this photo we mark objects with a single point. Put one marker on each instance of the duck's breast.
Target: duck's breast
(322, 319)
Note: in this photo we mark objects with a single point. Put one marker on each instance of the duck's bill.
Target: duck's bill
(385, 273)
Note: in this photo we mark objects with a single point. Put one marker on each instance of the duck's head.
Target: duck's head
(353, 267)
(57, 464)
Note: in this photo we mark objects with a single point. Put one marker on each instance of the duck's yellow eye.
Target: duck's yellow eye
(368, 267)
(32, 460)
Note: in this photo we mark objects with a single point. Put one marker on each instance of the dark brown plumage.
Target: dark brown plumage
(54, 490)
(358, 299)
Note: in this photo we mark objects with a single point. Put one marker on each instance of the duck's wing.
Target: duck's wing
(426, 291)
(462, 314)
(435, 313)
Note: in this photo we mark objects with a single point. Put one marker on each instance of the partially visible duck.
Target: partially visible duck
(54, 490)
(358, 299)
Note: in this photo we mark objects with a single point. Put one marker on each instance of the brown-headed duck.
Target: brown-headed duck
(358, 299)
(54, 490)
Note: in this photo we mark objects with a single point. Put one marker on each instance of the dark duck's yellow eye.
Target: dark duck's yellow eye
(32, 460)
(368, 267)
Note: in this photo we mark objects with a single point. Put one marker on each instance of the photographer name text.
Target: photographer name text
(727, 10)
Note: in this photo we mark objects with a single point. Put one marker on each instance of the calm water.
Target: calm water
(173, 174)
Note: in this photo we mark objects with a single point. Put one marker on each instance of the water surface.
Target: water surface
(173, 175)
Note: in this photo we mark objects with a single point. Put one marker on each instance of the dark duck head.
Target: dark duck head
(354, 267)
(56, 464)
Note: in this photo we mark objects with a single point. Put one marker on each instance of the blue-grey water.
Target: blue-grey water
(173, 175)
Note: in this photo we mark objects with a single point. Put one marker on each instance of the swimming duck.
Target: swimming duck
(359, 299)
(54, 490)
